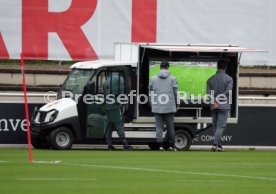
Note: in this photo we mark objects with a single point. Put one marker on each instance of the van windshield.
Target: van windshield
(77, 80)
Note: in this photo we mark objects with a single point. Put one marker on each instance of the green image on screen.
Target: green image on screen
(191, 76)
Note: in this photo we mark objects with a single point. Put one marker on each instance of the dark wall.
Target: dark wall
(256, 127)
(13, 125)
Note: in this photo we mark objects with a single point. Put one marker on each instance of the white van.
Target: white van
(71, 119)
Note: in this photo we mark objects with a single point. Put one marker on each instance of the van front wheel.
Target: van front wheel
(61, 138)
(40, 143)
(183, 140)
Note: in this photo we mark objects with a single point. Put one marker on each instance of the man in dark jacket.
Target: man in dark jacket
(220, 87)
(163, 89)
(115, 119)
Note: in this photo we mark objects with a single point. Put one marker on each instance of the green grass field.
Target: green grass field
(191, 79)
(112, 172)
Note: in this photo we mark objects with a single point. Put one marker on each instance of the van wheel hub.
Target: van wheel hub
(62, 139)
(180, 141)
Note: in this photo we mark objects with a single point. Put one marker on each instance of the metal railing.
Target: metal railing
(10, 94)
(42, 94)
(254, 98)
(54, 95)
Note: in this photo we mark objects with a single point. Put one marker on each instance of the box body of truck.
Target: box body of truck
(194, 59)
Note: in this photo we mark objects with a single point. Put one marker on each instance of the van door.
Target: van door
(108, 84)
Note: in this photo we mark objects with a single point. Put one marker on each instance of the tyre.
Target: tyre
(61, 138)
(40, 143)
(183, 140)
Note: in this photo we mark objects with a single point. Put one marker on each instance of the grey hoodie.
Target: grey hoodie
(163, 89)
(221, 84)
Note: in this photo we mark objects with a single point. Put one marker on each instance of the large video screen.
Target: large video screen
(191, 75)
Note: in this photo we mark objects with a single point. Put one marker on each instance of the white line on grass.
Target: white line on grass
(254, 164)
(47, 162)
(160, 170)
(173, 171)
(53, 179)
(3, 161)
(199, 181)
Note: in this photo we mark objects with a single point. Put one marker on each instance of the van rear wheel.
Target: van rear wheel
(61, 138)
(183, 140)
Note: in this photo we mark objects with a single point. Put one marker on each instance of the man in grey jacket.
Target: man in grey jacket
(219, 87)
(163, 91)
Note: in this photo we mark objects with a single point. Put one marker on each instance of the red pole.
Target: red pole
(26, 109)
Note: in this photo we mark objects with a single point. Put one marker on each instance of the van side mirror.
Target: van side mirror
(90, 87)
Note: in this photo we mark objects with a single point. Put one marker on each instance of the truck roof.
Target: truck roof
(187, 48)
(102, 63)
(131, 51)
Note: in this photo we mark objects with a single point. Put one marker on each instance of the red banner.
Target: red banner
(3, 50)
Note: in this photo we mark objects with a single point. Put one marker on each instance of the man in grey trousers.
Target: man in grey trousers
(163, 91)
(219, 87)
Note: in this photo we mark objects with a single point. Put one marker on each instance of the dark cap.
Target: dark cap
(164, 64)
(222, 64)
